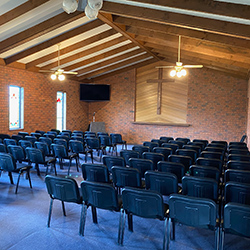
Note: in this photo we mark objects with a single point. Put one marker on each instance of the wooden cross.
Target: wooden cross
(159, 92)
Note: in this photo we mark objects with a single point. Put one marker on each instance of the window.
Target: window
(61, 111)
(15, 107)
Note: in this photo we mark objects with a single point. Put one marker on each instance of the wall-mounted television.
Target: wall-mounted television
(94, 92)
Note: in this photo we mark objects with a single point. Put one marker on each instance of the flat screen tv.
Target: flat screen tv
(94, 92)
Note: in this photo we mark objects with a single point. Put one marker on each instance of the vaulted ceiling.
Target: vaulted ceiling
(127, 34)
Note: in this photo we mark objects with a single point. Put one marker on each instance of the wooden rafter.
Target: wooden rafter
(180, 20)
(38, 30)
(20, 10)
(53, 41)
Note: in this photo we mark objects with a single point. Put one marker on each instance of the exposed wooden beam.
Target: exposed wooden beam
(99, 57)
(110, 61)
(203, 47)
(180, 20)
(84, 53)
(205, 6)
(115, 66)
(109, 20)
(71, 48)
(174, 30)
(2, 62)
(38, 30)
(20, 10)
(125, 69)
(53, 41)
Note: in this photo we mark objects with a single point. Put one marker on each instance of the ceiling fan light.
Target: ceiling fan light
(61, 77)
(173, 73)
(95, 4)
(53, 77)
(183, 72)
(179, 74)
(90, 13)
(70, 6)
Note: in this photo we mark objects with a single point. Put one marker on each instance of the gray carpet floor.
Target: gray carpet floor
(23, 219)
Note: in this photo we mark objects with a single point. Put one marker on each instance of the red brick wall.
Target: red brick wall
(217, 108)
(40, 101)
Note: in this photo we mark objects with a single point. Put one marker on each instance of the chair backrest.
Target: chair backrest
(40, 132)
(166, 138)
(220, 142)
(162, 182)
(35, 155)
(67, 131)
(237, 143)
(102, 133)
(199, 144)
(143, 203)
(8, 142)
(63, 136)
(111, 161)
(77, 138)
(30, 138)
(237, 192)
(174, 146)
(180, 143)
(241, 147)
(217, 145)
(126, 177)
(127, 154)
(116, 138)
(151, 145)
(76, 146)
(193, 147)
(105, 140)
(43, 146)
(204, 142)
(236, 151)
(212, 155)
(240, 165)
(185, 160)
(100, 195)
(45, 139)
(142, 165)
(236, 219)
(95, 172)
(7, 162)
(61, 142)
(78, 132)
(93, 143)
(3, 148)
(209, 162)
(204, 171)
(242, 176)
(157, 141)
(3, 136)
(55, 131)
(215, 149)
(184, 139)
(51, 136)
(64, 189)
(187, 152)
(59, 150)
(16, 137)
(37, 135)
(200, 187)
(17, 152)
(192, 211)
(163, 150)
(172, 167)
(141, 149)
(238, 157)
(154, 157)
(23, 134)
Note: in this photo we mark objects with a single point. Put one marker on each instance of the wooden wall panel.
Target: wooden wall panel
(173, 102)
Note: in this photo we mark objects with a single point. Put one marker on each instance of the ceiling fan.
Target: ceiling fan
(179, 68)
(58, 73)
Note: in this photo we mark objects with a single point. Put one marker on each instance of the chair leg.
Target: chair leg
(18, 179)
(94, 215)
(168, 233)
(69, 166)
(91, 154)
(121, 227)
(77, 163)
(173, 230)
(165, 232)
(11, 178)
(217, 238)
(28, 175)
(222, 238)
(63, 208)
(50, 212)
(37, 169)
(83, 219)
(130, 222)
(47, 167)
(54, 165)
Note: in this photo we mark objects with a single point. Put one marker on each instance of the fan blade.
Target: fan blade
(46, 71)
(70, 72)
(192, 66)
(164, 67)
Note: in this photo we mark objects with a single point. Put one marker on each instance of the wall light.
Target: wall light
(70, 6)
